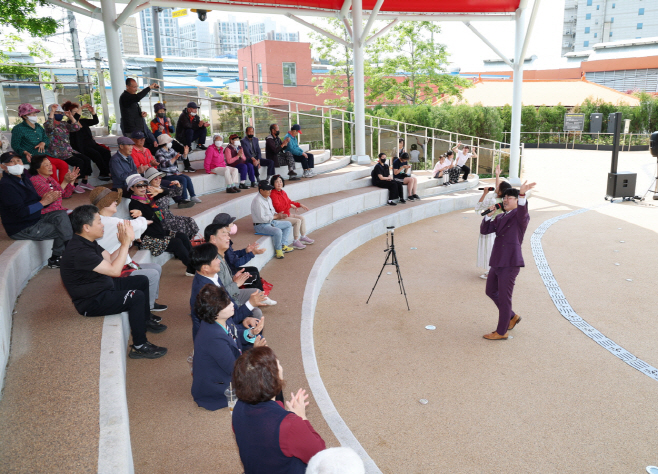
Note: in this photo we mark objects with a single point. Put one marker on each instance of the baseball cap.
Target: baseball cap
(8, 156)
(223, 219)
(297, 127)
(192, 105)
(137, 135)
(265, 186)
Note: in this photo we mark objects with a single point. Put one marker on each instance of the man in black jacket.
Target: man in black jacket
(132, 117)
(20, 209)
(274, 151)
(190, 127)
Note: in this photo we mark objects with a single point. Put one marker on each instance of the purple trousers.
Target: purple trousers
(500, 286)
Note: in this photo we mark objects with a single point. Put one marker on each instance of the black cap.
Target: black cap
(159, 106)
(223, 219)
(137, 135)
(296, 127)
(265, 186)
(192, 105)
(8, 156)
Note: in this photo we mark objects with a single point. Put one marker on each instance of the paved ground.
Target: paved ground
(548, 400)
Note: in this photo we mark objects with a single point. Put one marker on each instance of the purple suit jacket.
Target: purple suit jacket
(510, 229)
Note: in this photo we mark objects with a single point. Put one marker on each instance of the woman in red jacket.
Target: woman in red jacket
(282, 203)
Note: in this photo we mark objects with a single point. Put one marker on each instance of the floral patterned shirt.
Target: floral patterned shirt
(60, 142)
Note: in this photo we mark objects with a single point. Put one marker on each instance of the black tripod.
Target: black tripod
(390, 253)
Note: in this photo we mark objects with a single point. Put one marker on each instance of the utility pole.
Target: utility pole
(73, 28)
(158, 47)
(101, 88)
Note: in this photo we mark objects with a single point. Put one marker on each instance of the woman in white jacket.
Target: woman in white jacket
(107, 201)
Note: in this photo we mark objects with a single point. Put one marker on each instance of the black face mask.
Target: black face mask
(382, 161)
(250, 136)
(276, 134)
(161, 114)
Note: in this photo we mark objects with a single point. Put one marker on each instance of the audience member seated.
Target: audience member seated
(234, 156)
(215, 346)
(186, 225)
(155, 238)
(336, 461)
(106, 201)
(399, 149)
(83, 141)
(282, 205)
(29, 139)
(270, 438)
(231, 283)
(41, 171)
(237, 258)
(306, 159)
(93, 280)
(381, 178)
(167, 158)
(122, 164)
(461, 158)
(207, 264)
(268, 222)
(142, 156)
(442, 169)
(21, 206)
(132, 117)
(402, 174)
(252, 153)
(190, 127)
(274, 150)
(454, 170)
(60, 146)
(215, 162)
(161, 125)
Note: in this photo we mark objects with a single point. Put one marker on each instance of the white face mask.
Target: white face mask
(16, 170)
(218, 143)
(169, 145)
(192, 114)
(33, 118)
(236, 143)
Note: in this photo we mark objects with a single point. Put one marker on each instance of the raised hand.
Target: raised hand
(72, 175)
(257, 298)
(498, 170)
(525, 187)
(241, 277)
(260, 342)
(298, 403)
(49, 198)
(258, 328)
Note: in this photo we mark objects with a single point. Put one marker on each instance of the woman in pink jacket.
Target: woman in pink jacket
(215, 163)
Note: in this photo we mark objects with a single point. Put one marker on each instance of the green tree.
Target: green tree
(21, 71)
(23, 17)
(411, 66)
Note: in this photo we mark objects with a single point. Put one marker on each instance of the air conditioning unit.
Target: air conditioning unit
(566, 45)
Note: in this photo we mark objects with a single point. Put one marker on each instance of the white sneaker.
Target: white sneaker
(484, 276)
(268, 301)
(195, 199)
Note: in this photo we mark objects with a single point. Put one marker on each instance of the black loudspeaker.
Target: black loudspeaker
(612, 122)
(621, 185)
(653, 144)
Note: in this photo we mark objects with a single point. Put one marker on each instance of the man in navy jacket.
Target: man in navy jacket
(204, 259)
(506, 256)
(20, 209)
(252, 152)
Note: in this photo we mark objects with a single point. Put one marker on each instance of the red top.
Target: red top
(143, 157)
(282, 202)
(42, 185)
(298, 438)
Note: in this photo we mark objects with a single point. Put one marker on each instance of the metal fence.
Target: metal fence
(569, 140)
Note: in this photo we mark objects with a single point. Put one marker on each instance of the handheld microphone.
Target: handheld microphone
(488, 211)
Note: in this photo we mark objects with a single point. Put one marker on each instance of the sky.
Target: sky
(466, 50)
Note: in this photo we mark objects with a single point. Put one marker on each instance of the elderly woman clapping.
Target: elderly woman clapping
(215, 162)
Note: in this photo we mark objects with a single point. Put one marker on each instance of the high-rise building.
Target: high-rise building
(232, 35)
(169, 38)
(127, 37)
(197, 39)
(588, 22)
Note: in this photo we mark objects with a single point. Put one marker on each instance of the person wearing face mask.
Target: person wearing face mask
(190, 127)
(83, 141)
(274, 150)
(21, 206)
(252, 153)
(215, 162)
(167, 158)
(161, 125)
(60, 144)
(305, 158)
(234, 156)
(29, 139)
(381, 178)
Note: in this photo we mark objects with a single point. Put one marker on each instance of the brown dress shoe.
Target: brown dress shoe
(494, 336)
(513, 322)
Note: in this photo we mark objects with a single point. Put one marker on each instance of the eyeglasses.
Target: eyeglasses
(142, 185)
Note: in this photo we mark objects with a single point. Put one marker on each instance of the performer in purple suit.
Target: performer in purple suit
(506, 257)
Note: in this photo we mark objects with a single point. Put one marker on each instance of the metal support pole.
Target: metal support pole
(517, 87)
(42, 91)
(158, 47)
(359, 91)
(108, 9)
(3, 104)
(101, 89)
(342, 126)
(75, 44)
(331, 131)
(323, 135)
